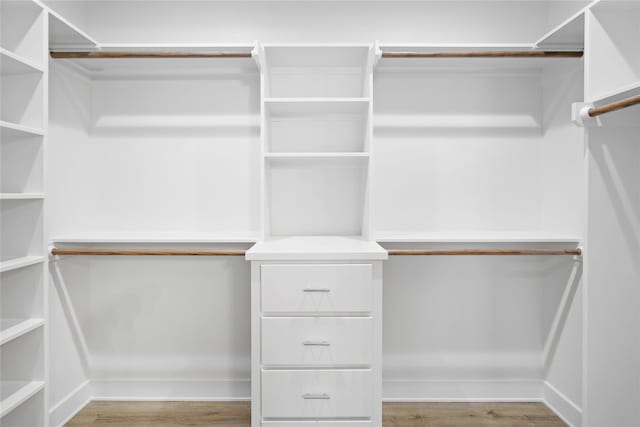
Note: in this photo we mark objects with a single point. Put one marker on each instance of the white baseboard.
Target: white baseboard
(563, 407)
(462, 391)
(70, 405)
(150, 390)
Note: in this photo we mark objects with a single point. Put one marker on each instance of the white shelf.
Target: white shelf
(16, 393)
(11, 63)
(21, 196)
(63, 34)
(616, 5)
(15, 263)
(316, 248)
(157, 238)
(567, 35)
(623, 92)
(471, 237)
(11, 329)
(320, 156)
(297, 107)
(9, 129)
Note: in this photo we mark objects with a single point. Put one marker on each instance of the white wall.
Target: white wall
(612, 349)
(317, 21)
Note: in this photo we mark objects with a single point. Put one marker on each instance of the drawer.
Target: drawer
(317, 341)
(317, 423)
(317, 394)
(314, 288)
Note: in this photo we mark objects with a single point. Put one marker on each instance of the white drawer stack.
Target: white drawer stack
(316, 344)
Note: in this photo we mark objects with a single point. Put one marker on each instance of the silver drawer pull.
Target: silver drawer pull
(316, 343)
(316, 290)
(316, 396)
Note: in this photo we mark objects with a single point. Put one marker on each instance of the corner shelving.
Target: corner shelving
(14, 393)
(569, 34)
(613, 65)
(19, 262)
(13, 328)
(14, 130)
(65, 35)
(23, 118)
(11, 63)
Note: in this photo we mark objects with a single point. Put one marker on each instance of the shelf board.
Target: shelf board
(316, 248)
(627, 91)
(9, 129)
(157, 238)
(296, 107)
(11, 329)
(321, 156)
(567, 35)
(619, 6)
(17, 392)
(21, 196)
(64, 34)
(489, 237)
(11, 63)
(21, 262)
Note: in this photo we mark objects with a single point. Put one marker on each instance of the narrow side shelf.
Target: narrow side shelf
(64, 34)
(11, 329)
(21, 196)
(16, 263)
(159, 238)
(9, 129)
(319, 156)
(16, 393)
(11, 63)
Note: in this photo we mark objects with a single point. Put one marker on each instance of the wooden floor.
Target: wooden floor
(236, 414)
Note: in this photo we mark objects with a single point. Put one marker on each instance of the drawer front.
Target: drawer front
(317, 423)
(316, 341)
(317, 394)
(316, 288)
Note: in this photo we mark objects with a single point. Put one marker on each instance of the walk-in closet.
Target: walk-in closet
(310, 213)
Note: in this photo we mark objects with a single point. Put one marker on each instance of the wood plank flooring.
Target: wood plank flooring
(237, 414)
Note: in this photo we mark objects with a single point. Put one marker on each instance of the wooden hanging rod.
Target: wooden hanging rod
(151, 54)
(146, 252)
(614, 106)
(394, 252)
(487, 54)
(485, 251)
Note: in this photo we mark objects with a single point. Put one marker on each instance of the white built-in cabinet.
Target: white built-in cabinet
(316, 275)
(23, 121)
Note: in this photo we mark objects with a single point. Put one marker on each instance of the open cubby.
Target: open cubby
(22, 29)
(21, 163)
(316, 126)
(316, 196)
(322, 71)
(22, 99)
(30, 412)
(21, 293)
(21, 227)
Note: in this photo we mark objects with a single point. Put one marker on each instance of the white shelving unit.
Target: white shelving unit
(23, 54)
(613, 64)
(316, 135)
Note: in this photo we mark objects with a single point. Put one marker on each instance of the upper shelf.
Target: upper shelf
(11, 63)
(64, 35)
(475, 237)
